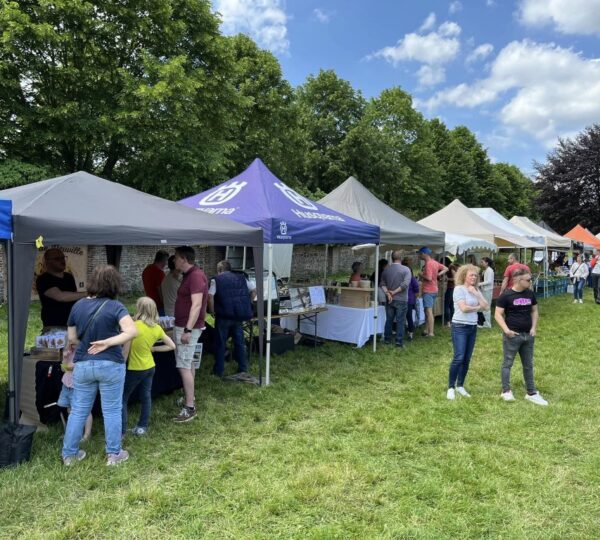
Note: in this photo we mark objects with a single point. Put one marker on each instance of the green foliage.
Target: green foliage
(15, 173)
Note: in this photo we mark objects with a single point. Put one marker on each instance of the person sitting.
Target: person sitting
(57, 290)
(230, 298)
(357, 268)
(152, 278)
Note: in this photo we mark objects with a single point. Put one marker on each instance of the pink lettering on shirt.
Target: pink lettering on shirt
(522, 302)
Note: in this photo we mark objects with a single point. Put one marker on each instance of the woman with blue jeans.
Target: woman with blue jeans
(579, 272)
(467, 302)
(98, 326)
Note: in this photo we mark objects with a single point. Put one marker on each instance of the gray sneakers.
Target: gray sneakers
(69, 460)
(186, 414)
(115, 459)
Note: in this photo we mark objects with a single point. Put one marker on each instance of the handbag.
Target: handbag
(570, 288)
(480, 318)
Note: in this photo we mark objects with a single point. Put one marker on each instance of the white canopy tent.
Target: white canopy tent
(526, 239)
(457, 244)
(551, 239)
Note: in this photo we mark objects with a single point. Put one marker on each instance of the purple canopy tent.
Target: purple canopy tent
(256, 197)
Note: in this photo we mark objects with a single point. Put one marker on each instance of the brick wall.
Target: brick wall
(133, 261)
(308, 262)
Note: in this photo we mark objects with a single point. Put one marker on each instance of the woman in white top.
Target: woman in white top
(487, 288)
(467, 302)
(578, 273)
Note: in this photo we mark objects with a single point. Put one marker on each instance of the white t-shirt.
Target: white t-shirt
(461, 293)
(488, 279)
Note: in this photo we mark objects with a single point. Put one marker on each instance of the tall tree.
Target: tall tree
(520, 191)
(15, 173)
(328, 109)
(569, 182)
(137, 91)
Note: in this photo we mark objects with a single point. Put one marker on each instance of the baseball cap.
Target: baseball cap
(425, 251)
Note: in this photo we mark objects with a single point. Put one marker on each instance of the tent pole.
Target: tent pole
(13, 414)
(244, 259)
(375, 306)
(269, 309)
(326, 260)
(547, 272)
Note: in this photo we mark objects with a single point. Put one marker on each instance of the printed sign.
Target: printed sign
(77, 259)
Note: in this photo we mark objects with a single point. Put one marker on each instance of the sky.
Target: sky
(518, 73)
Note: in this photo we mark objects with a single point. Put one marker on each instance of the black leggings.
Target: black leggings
(409, 317)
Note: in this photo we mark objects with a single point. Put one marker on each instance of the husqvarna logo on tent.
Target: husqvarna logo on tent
(296, 198)
(283, 227)
(222, 195)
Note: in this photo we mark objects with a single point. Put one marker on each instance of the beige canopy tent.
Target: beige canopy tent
(456, 218)
(551, 239)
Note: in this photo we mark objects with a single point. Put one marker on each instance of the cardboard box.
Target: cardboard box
(356, 297)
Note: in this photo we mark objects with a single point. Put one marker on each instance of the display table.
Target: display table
(339, 323)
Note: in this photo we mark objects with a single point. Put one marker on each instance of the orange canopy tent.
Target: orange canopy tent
(579, 234)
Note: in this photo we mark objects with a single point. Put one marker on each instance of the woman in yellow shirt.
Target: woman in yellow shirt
(140, 364)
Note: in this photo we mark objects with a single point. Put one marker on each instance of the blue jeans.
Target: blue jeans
(89, 376)
(143, 379)
(224, 328)
(463, 341)
(395, 309)
(578, 289)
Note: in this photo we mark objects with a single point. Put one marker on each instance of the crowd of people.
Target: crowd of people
(111, 353)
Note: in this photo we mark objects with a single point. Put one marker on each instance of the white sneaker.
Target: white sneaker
(507, 396)
(575, 301)
(461, 390)
(581, 300)
(537, 399)
(450, 394)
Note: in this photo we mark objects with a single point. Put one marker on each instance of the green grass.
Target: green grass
(345, 444)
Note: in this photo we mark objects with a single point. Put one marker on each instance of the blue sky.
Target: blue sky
(518, 73)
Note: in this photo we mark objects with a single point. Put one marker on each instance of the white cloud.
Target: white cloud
(455, 7)
(549, 90)
(428, 23)
(321, 15)
(567, 16)
(490, 3)
(480, 53)
(431, 75)
(264, 20)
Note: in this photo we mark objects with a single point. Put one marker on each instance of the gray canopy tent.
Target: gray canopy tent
(82, 209)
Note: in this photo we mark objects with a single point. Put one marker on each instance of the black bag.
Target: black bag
(15, 444)
(480, 318)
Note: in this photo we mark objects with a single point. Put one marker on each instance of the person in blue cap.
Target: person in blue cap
(432, 271)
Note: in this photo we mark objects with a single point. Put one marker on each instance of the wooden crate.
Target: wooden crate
(356, 297)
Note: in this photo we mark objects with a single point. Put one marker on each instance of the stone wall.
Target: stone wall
(308, 262)
(133, 261)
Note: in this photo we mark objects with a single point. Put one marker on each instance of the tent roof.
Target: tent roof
(497, 219)
(81, 208)
(355, 200)
(458, 219)
(457, 244)
(551, 239)
(257, 197)
(544, 225)
(5, 220)
(579, 234)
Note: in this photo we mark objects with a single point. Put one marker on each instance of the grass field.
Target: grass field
(345, 444)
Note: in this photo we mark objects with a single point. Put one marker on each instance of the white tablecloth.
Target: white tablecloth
(338, 323)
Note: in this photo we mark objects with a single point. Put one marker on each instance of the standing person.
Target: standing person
(596, 275)
(153, 276)
(395, 281)
(190, 311)
(169, 287)
(57, 289)
(230, 298)
(513, 265)
(381, 296)
(448, 294)
(98, 326)
(467, 302)
(517, 315)
(578, 273)
(432, 271)
(140, 362)
(413, 291)
(487, 288)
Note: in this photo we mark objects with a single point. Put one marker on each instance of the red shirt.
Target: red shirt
(152, 277)
(430, 270)
(510, 269)
(194, 281)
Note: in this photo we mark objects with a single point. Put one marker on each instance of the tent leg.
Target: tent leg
(244, 259)
(269, 309)
(13, 413)
(375, 306)
(326, 260)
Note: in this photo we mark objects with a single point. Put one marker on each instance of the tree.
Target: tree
(15, 173)
(520, 190)
(135, 91)
(569, 182)
(328, 109)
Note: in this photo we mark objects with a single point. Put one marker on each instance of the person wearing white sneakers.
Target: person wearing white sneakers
(468, 300)
(517, 315)
(578, 273)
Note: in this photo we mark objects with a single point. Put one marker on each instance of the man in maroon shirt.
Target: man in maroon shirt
(190, 311)
(153, 276)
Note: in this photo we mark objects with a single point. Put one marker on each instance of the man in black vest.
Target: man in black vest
(230, 298)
